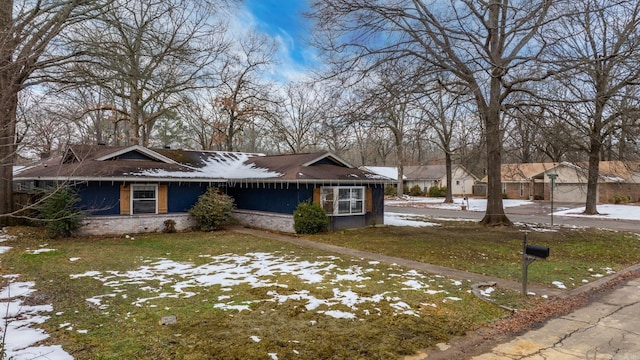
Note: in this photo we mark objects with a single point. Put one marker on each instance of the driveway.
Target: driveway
(535, 213)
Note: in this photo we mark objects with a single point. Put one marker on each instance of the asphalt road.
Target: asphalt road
(536, 213)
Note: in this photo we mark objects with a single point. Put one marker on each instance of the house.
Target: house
(426, 176)
(133, 189)
(533, 181)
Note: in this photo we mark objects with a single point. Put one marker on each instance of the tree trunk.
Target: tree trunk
(400, 157)
(447, 160)
(593, 173)
(8, 108)
(494, 215)
(592, 183)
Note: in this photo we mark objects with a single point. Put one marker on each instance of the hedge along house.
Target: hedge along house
(135, 189)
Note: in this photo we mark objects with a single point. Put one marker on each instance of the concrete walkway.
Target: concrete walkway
(608, 328)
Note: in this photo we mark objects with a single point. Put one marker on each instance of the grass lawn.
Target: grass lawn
(577, 256)
(234, 297)
(241, 297)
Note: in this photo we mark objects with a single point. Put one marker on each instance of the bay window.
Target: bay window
(343, 200)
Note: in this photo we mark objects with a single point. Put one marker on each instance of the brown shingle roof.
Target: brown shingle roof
(91, 162)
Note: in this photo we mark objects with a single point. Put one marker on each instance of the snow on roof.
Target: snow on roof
(386, 171)
(217, 167)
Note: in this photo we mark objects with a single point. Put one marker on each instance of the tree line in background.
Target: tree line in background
(407, 82)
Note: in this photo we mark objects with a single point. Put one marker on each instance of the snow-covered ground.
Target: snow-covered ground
(607, 211)
(17, 319)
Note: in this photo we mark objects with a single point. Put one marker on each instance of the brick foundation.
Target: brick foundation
(136, 224)
(265, 220)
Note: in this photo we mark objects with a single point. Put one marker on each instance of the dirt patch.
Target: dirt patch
(482, 340)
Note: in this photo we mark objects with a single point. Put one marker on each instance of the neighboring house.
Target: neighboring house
(426, 176)
(135, 189)
(532, 181)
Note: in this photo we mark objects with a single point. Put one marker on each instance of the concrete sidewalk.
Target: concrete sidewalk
(607, 328)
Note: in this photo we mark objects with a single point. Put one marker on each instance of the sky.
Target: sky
(284, 21)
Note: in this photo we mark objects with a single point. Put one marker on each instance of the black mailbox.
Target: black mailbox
(541, 252)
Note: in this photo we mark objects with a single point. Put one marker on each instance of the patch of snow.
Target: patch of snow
(19, 318)
(607, 211)
(398, 219)
(558, 284)
(214, 168)
(39, 251)
(340, 314)
(487, 292)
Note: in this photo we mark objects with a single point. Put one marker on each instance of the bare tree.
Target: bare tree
(386, 103)
(301, 112)
(243, 95)
(205, 125)
(27, 29)
(442, 112)
(597, 59)
(488, 47)
(45, 131)
(146, 53)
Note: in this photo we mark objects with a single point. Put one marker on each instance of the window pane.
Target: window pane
(356, 206)
(356, 194)
(144, 192)
(144, 206)
(328, 207)
(343, 207)
(344, 194)
(326, 199)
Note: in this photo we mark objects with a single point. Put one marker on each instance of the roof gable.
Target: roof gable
(136, 152)
(327, 158)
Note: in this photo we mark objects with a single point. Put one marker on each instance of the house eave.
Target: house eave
(203, 180)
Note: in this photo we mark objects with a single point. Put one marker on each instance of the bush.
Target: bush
(437, 191)
(212, 210)
(621, 199)
(390, 190)
(310, 218)
(58, 211)
(169, 226)
(416, 191)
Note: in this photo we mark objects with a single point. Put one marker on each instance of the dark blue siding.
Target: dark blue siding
(182, 196)
(275, 198)
(103, 198)
(100, 198)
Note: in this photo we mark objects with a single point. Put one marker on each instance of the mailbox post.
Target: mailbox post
(530, 253)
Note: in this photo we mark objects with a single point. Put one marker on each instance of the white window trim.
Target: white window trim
(336, 192)
(131, 197)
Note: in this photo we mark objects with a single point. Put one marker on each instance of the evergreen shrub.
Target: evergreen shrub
(212, 210)
(58, 211)
(309, 218)
(437, 191)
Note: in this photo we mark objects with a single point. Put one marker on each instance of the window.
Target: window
(342, 200)
(144, 199)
